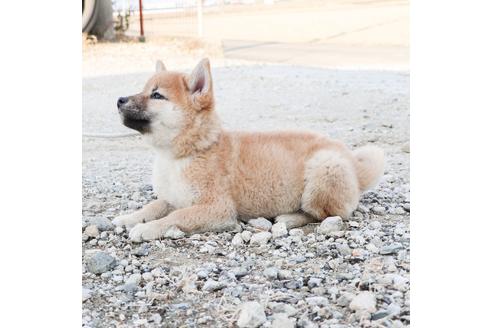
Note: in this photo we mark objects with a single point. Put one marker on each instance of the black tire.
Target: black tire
(90, 10)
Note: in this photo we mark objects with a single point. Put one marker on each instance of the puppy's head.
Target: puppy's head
(169, 103)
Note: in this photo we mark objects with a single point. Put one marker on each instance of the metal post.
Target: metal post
(142, 36)
(199, 13)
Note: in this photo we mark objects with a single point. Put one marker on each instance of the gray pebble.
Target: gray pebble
(271, 273)
(390, 249)
(213, 285)
(100, 262)
(330, 225)
(252, 315)
(103, 224)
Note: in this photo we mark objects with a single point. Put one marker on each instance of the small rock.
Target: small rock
(391, 249)
(103, 224)
(298, 259)
(148, 276)
(203, 274)
(304, 322)
(129, 287)
(317, 301)
(271, 273)
(375, 225)
(212, 285)
(288, 309)
(354, 224)
(142, 250)
(344, 249)
(393, 309)
(294, 284)
(345, 299)
(181, 306)
(281, 320)
(252, 315)
(372, 248)
(174, 233)
(100, 262)
(261, 224)
(92, 231)
(314, 282)
(246, 235)
(240, 271)
(284, 274)
(379, 315)
(260, 238)
(330, 224)
(237, 240)
(364, 301)
(279, 230)
(134, 279)
(379, 210)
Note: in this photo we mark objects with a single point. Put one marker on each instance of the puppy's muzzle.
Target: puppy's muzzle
(132, 116)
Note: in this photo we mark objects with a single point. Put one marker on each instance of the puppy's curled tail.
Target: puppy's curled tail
(369, 164)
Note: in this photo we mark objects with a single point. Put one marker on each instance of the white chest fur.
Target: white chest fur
(169, 181)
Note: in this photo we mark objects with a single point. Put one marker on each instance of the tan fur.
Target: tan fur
(220, 176)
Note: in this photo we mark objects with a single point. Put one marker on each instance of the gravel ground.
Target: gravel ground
(354, 274)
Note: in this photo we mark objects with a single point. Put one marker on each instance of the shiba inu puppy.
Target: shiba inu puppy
(207, 179)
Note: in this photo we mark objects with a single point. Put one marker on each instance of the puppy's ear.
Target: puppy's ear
(159, 66)
(200, 86)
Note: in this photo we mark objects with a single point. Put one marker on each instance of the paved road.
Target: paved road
(319, 54)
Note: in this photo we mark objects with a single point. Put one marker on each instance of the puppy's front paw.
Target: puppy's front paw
(128, 220)
(145, 231)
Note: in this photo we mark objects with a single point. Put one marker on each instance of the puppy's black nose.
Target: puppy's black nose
(122, 101)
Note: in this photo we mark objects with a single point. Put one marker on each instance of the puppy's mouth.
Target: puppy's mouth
(135, 119)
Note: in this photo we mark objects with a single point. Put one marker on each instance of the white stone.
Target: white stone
(317, 301)
(281, 320)
(92, 231)
(279, 230)
(282, 308)
(212, 285)
(271, 273)
(246, 235)
(379, 210)
(260, 238)
(364, 301)
(330, 225)
(148, 276)
(237, 240)
(252, 315)
(134, 278)
(372, 248)
(261, 224)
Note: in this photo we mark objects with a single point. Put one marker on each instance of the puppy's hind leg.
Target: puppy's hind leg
(152, 211)
(331, 187)
(295, 220)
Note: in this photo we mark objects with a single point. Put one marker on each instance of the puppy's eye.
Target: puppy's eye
(157, 95)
